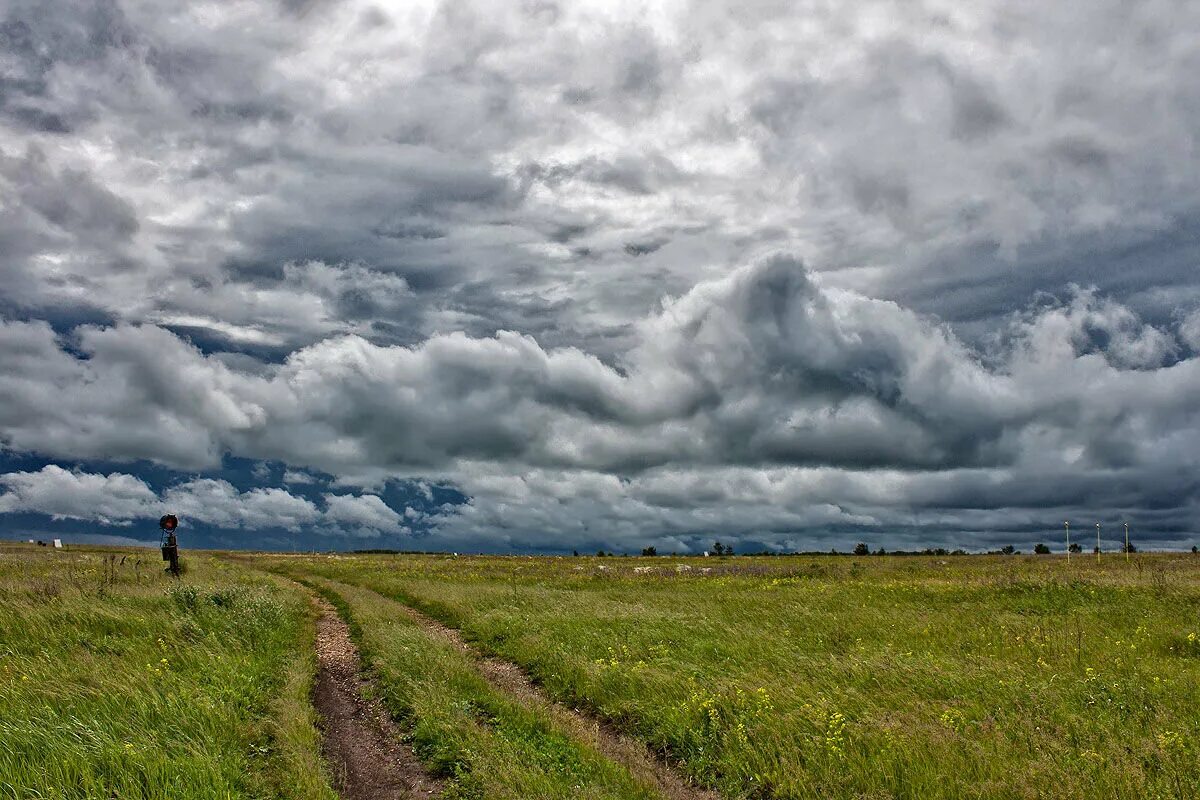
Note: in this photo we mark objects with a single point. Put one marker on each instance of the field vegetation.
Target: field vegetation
(917, 677)
(118, 681)
(785, 677)
(486, 744)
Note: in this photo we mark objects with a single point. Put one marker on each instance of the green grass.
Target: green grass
(485, 743)
(119, 681)
(873, 677)
(839, 677)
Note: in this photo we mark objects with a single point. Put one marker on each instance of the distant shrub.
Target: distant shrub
(861, 549)
(1008, 550)
(649, 551)
(1075, 548)
(1041, 549)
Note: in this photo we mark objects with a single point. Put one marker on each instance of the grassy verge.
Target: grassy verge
(295, 768)
(118, 681)
(485, 743)
(876, 677)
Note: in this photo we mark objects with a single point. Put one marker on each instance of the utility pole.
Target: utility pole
(1067, 525)
(1097, 542)
(1126, 542)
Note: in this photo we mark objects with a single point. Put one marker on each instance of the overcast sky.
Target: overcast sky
(539, 277)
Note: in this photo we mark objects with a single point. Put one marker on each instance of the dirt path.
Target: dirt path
(641, 762)
(360, 743)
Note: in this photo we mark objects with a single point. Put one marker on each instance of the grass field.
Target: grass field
(796, 677)
(840, 677)
(116, 681)
(518, 752)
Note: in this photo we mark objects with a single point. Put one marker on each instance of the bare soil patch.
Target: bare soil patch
(361, 744)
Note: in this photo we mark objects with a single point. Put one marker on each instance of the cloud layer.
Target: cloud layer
(119, 499)
(759, 392)
(613, 271)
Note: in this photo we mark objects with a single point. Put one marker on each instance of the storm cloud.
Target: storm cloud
(616, 274)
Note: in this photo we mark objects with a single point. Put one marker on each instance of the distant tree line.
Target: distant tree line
(719, 549)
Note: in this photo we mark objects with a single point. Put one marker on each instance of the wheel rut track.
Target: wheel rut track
(645, 765)
(360, 743)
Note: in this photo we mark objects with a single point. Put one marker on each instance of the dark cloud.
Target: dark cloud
(977, 114)
(527, 251)
(63, 237)
(39, 38)
(984, 283)
(643, 248)
(831, 408)
(628, 173)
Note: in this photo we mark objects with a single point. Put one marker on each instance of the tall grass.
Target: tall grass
(871, 677)
(484, 742)
(119, 681)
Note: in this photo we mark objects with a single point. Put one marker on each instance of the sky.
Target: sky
(538, 277)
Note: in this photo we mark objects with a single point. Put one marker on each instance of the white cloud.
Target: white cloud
(756, 402)
(364, 513)
(1189, 330)
(219, 503)
(62, 494)
(118, 499)
(221, 170)
(763, 367)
